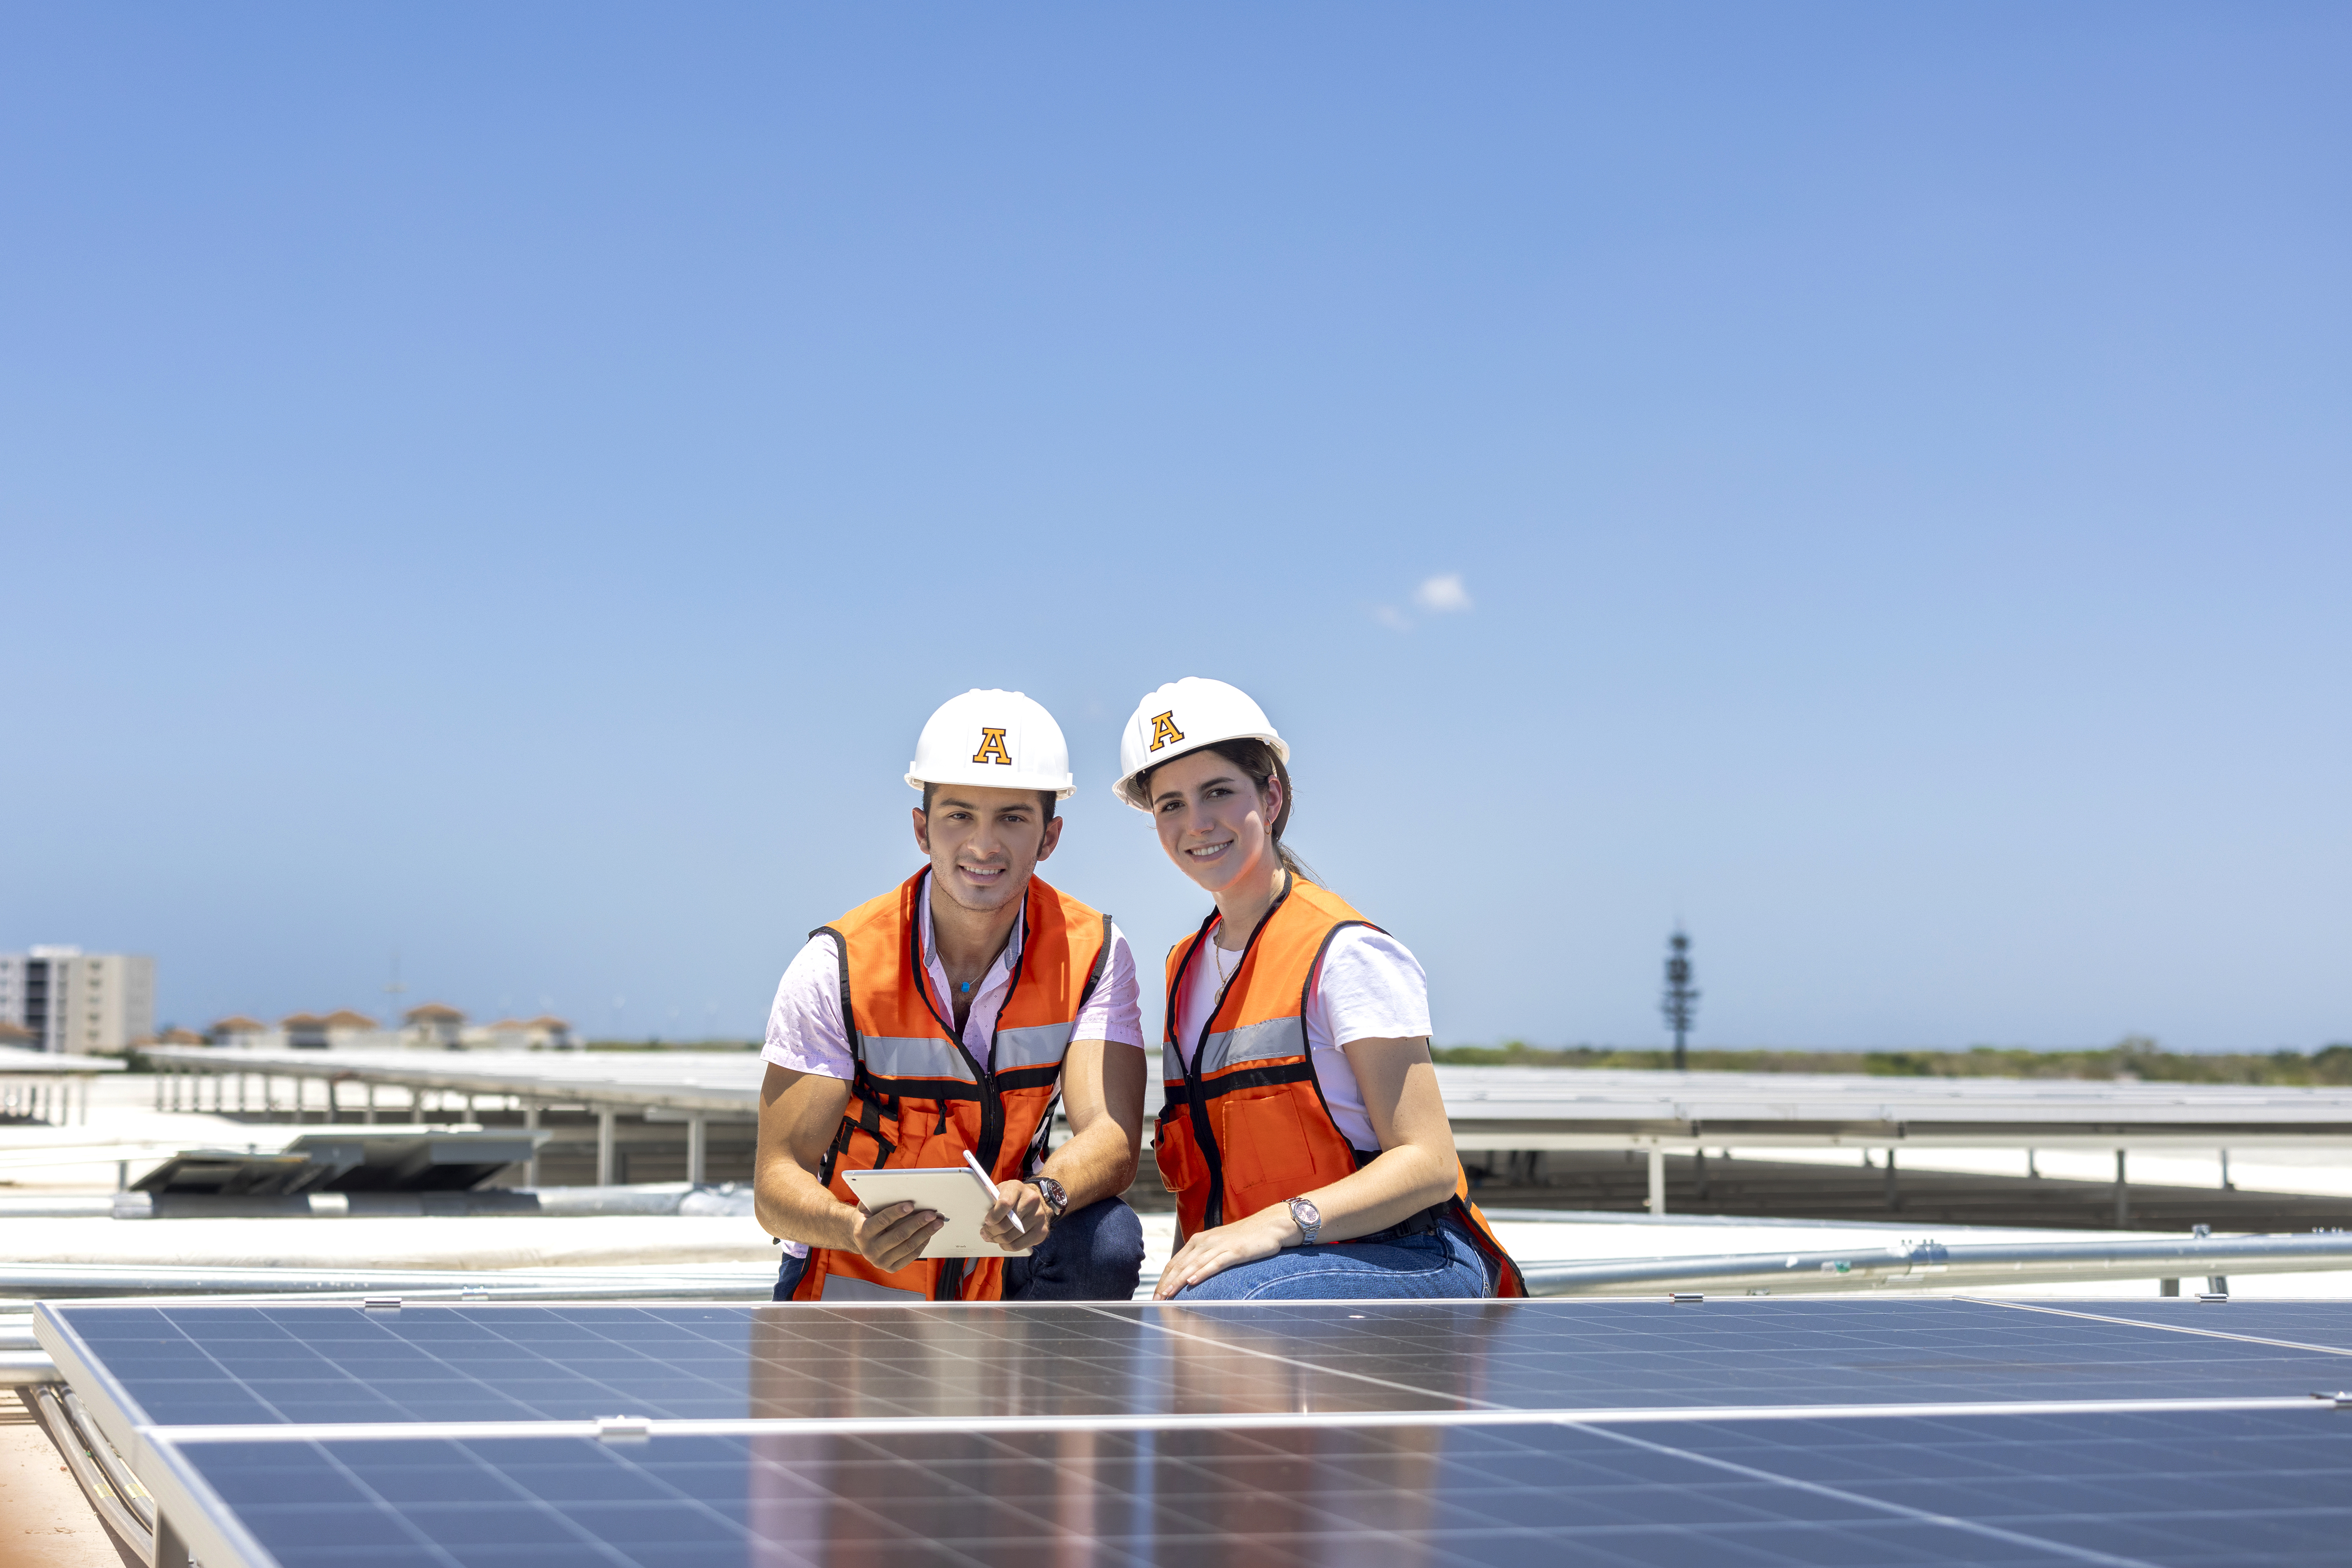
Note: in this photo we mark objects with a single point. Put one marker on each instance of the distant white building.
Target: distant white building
(249, 1034)
(545, 1032)
(436, 1026)
(341, 1027)
(69, 1000)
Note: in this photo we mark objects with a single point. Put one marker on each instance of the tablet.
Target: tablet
(958, 1194)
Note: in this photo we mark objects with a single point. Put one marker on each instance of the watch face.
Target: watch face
(1304, 1210)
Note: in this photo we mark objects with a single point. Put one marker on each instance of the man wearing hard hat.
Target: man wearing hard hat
(947, 1018)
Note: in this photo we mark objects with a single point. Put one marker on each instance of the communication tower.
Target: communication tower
(1681, 1002)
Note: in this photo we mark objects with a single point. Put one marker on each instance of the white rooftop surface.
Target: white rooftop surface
(122, 1120)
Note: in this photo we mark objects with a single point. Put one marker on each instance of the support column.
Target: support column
(530, 1125)
(371, 1102)
(2227, 1185)
(334, 1110)
(698, 1145)
(604, 1148)
(2167, 1287)
(1657, 1179)
(1894, 1192)
(2122, 1195)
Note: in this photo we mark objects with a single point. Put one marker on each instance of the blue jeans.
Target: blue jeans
(1437, 1266)
(1091, 1254)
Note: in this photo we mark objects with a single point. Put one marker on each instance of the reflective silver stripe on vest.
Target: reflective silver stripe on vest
(889, 1056)
(1266, 1042)
(1039, 1045)
(850, 1288)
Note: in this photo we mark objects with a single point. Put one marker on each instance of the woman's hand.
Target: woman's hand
(1262, 1235)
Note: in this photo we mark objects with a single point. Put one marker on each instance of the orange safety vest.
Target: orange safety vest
(1245, 1125)
(919, 1098)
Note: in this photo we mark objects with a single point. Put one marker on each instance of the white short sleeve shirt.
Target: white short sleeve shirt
(806, 1032)
(1370, 987)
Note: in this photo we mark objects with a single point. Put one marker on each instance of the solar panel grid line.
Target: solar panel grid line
(1310, 1366)
(1973, 1527)
(2171, 1328)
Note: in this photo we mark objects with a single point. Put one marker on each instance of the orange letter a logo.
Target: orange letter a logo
(1163, 729)
(992, 746)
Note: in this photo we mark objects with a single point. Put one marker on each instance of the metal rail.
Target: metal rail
(83, 1461)
(1933, 1263)
(43, 1084)
(67, 1281)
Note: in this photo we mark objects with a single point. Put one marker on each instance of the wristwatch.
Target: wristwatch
(1309, 1217)
(1056, 1198)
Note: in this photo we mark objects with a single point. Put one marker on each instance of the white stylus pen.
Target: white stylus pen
(980, 1171)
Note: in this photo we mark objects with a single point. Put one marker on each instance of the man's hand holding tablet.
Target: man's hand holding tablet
(948, 1211)
(895, 1235)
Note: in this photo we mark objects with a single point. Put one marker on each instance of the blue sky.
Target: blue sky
(508, 484)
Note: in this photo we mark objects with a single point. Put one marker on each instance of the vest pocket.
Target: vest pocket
(1264, 1146)
(1173, 1151)
(928, 1137)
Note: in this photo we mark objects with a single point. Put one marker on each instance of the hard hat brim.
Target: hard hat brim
(1124, 788)
(1061, 789)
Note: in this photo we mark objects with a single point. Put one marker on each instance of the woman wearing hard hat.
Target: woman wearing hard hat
(1304, 1135)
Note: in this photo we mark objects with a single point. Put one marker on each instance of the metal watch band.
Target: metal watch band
(1309, 1219)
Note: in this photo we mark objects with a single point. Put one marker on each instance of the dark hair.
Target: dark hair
(1261, 762)
(1046, 796)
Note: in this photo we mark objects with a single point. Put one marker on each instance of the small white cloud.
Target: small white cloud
(1443, 593)
(1390, 616)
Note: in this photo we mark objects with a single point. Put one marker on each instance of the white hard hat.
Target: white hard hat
(998, 738)
(1185, 715)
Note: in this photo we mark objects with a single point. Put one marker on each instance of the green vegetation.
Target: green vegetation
(2137, 1057)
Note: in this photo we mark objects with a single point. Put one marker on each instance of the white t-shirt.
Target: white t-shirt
(1370, 987)
(806, 1034)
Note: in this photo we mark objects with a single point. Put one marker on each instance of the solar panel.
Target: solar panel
(223, 1364)
(1751, 1430)
(2163, 1489)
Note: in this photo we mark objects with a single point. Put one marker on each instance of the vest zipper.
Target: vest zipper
(991, 1106)
(1198, 1102)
